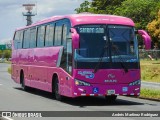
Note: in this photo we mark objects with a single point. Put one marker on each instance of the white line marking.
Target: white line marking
(7, 118)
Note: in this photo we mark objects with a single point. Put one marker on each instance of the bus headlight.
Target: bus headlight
(137, 82)
(81, 83)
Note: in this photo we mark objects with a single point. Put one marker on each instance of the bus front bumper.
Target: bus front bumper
(106, 90)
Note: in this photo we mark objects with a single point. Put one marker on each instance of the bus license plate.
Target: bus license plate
(110, 91)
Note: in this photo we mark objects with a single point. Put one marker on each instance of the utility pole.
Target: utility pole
(28, 14)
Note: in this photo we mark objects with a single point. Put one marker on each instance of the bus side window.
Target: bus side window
(58, 32)
(26, 38)
(40, 37)
(16, 38)
(69, 56)
(33, 38)
(49, 35)
(20, 40)
(64, 35)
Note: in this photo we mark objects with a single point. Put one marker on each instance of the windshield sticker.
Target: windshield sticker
(132, 60)
(86, 74)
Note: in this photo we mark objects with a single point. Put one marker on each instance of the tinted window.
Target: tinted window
(92, 41)
(16, 38)
(58, 33)
(40, 38)
(49, 35)
(33, 38)
(19, 42)
(64, 35)
(26, 38)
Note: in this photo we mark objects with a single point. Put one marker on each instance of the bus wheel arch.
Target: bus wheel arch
(55, 87)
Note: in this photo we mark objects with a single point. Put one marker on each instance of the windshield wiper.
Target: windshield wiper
(101, 58)
(115, 48)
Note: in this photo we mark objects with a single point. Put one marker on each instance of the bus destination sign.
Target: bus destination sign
(91, 30)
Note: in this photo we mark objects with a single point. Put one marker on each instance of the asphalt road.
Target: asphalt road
(13, 98)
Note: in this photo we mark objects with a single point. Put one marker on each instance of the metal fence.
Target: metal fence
(149, 54)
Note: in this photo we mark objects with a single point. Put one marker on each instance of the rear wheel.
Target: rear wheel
(25, 88)
(56, 90)
(110, 98)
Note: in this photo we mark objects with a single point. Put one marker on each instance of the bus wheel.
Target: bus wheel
(25, 88)
(110, 98)
(56, 90)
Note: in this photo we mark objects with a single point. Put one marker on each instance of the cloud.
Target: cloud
(11, 13)
(4, 41)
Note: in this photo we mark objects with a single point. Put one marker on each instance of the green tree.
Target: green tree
(141, 11)
(0, 53)
(106, 6)
(84, 7)
(154, 29)
(99, 6)
(7, 54)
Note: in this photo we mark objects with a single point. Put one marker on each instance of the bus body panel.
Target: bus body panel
(40, 64)
(87, 19)
(104, 80)
(107, 76)
(104, 90)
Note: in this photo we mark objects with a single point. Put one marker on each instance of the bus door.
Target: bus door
(69, 56)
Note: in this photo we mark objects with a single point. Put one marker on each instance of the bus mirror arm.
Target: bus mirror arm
(75, 37)
(146, 38)
(73, 30)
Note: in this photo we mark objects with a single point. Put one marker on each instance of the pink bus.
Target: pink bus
(79, 55)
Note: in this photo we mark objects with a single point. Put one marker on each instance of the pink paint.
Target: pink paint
(78, 19)
(146, 38)
(40, 64)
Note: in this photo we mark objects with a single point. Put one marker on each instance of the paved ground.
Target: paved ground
(13, 98)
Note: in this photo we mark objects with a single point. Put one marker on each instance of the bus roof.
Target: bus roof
(78, 19)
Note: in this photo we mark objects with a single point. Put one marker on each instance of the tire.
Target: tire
(56, 90)
(25, 88)
(111, 99)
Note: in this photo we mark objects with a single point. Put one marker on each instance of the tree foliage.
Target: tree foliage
(84, 7)
(106, 6)
(154, 28)
(141, 11)
(5, 53)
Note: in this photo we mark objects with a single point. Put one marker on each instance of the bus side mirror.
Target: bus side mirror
(146, 38)
(75, 38)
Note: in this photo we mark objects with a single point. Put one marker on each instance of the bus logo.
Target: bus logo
(111, 76)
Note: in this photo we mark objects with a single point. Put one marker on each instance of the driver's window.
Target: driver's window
(69, 56)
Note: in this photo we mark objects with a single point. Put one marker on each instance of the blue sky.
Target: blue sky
(11, 13)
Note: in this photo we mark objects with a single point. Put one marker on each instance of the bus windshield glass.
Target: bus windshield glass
(113, 41)
(123, 44)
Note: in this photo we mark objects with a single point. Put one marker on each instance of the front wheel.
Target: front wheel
(110, 98)
(56, 90)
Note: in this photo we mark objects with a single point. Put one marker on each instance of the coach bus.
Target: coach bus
(79, 55)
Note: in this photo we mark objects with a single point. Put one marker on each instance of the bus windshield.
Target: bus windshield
(117, 43)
